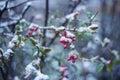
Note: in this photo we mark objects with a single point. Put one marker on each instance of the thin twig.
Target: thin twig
(46, 21)
(6, 8)
(19, 4)
(65, 23)
(93, 17)
(1, 12)
(73, 6)
(21, 16)
(2, 73)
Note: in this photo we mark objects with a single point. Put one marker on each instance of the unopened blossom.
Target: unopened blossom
(67, 38)
(63, 70)
(93, 27)
(32, 28)
(66, 75)
(61, 78)
(72, 57)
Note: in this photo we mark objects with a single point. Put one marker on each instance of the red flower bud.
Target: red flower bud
(66, 75)
(72, 57)
(31, 29)
(35, 28)
(65, 46)
(30, 32)
(61, 78)
(73, 38)
(63, 69)
(62, 65)
(65, 33)
(62, 41)
(67, 38)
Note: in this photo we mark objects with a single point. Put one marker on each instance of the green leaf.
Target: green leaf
(100, 67)
(34, 42)
(20, 38)
(22, 23)
(35, 56)
(44, 50)
(17, 27)
(25, 39)
(47, 50)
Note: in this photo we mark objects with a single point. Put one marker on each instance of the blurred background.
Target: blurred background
(103, 43)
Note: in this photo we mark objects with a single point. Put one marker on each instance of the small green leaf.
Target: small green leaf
(22, 23)
(34, 42)
(42, 50)
(18, 27)
(47, 50)
(100, 67)
(25, 39)
(35, 56)
(20, 38)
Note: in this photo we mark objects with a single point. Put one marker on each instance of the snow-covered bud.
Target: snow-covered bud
(66, 75)
(67, 38)
(32, 29)
(63, 69)
(72, 57)
(93, 27)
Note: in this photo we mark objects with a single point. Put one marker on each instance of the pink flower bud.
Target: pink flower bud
(73, 61)
(73, 38)
(65, 46)
(35, 28)
(72, 57)
(61, 78)
(65, 33)
(75, 57)
(63, 69)
(66, 75)
(30, 32)
(67, 38)
(62, 41)
(31, 29)
(62, 65)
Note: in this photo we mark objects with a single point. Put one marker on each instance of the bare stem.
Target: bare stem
(93, 17)
(46, 21)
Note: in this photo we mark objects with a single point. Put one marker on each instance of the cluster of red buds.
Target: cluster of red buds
(32, 29)
(72, 57)
(63, 69)
(67, 38)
